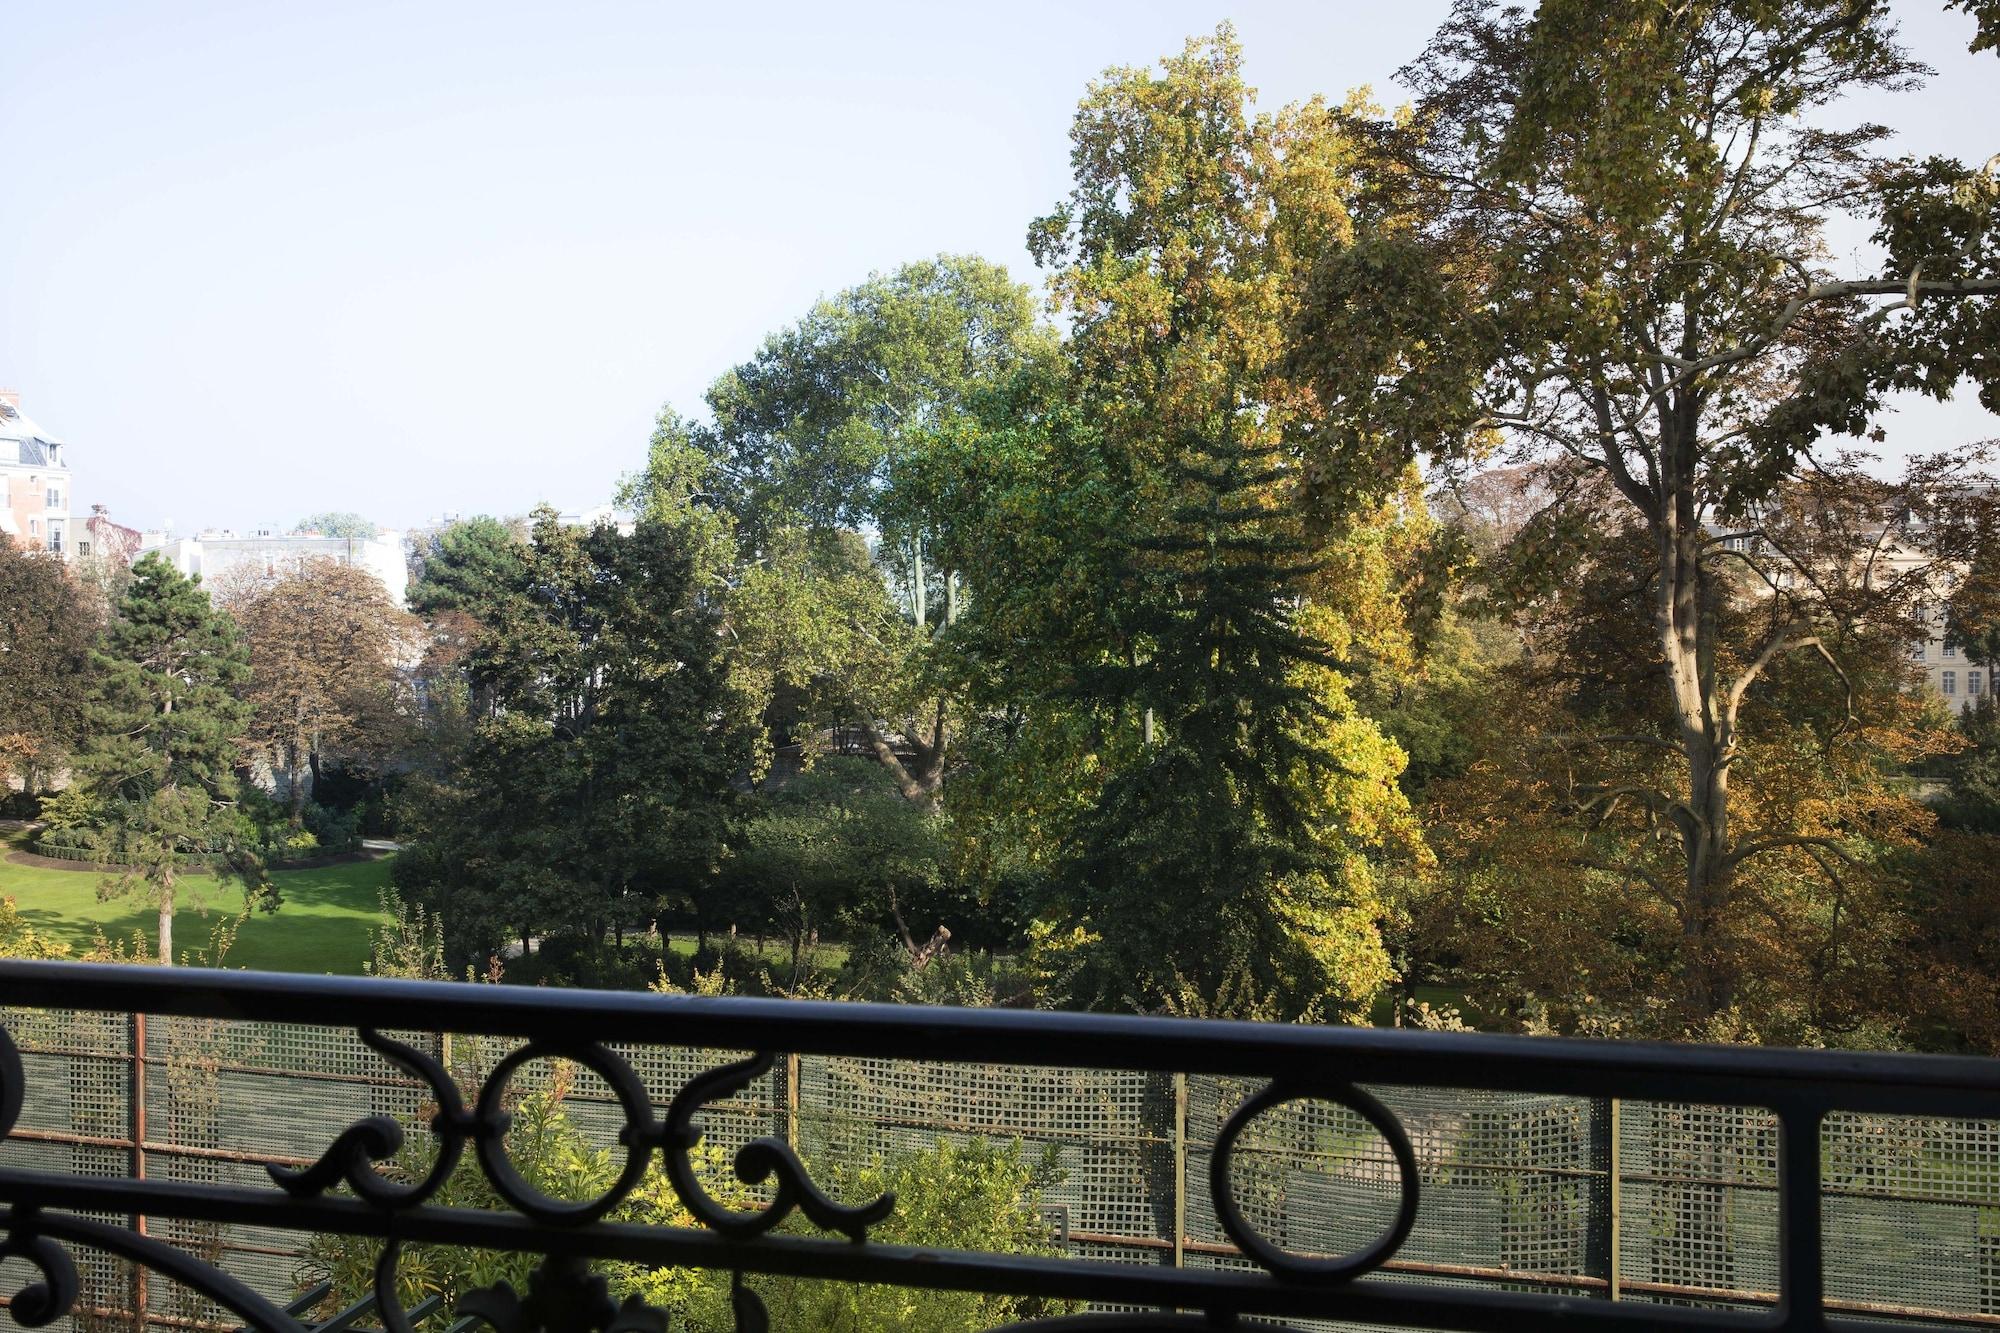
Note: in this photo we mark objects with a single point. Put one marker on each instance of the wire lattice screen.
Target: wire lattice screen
(1516, 1189)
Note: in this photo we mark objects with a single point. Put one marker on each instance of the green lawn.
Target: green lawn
(322, 926)
(829, 954)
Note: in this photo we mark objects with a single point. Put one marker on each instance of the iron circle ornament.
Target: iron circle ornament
(1282, 1261)
(639, 1134)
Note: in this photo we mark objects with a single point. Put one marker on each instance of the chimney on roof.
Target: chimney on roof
(10, 397)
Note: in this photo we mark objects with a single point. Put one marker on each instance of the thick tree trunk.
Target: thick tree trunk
(1688, 654)
(921, 779)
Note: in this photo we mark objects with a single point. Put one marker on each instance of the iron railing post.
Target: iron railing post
(1606, 1213)
(1615, 1197)
(1180, 1169)
(1801, 1239)
(136, 1128)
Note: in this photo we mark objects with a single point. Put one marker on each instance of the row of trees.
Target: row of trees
(162, 707)
(1199, 692)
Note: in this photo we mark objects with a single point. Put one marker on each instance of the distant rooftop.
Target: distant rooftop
(21, 440)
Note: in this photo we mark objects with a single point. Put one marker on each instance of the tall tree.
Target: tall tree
(45, 631)
(829, 430)
(817, 427)
(1603, 234)
(598, 781)
(165, 718)
(1257, 805)
(1250, 795)
(324, 643)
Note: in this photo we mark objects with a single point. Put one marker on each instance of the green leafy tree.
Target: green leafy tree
(470, 567)
(46, 627)
(827, 434)
(1972, 774)
(1601, 237)
(1257, 798)
(820, 425)
(838, 847)
(341, 523)
(165, 717)
(598, 779)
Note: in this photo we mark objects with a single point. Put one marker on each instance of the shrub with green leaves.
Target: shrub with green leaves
(973, 1195)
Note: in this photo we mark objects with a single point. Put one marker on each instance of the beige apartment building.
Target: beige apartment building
(1951, 675)
(34, 483)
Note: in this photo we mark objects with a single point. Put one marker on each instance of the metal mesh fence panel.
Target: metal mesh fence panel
(1700, 1206)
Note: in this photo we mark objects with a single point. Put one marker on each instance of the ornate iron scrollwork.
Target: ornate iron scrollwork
(378, 1138)
(46, 1301)
(756, 1161)
(563, 1296)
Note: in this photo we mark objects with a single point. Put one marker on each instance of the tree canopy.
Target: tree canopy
(164, 714)
(46, 627)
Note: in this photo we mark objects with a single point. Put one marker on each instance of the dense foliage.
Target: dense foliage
(46, 626)
(594, 777)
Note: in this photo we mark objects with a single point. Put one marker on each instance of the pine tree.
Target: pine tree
(164, 716)
(1221, 871)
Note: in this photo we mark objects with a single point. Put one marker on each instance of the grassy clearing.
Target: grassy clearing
(828, 955)
(323, 925)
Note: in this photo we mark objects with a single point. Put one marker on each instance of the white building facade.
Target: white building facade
(222, 557)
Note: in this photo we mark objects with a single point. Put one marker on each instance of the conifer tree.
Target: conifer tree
(165, 717)
(1224, 865)
(1219, 869)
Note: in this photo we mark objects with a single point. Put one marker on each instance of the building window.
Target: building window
(1950, 650)
(55, 539)
(55, 498)
(1917, 653)
(34, 527)
(1950, 685)
(1973, 683)
(83, 550)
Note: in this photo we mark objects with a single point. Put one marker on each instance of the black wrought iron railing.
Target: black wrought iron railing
(49, 1217)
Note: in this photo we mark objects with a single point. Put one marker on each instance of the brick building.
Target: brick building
(34, 483)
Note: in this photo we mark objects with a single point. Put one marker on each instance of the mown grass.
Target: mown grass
(322, 925)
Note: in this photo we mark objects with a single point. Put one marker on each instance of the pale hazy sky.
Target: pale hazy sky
(263, 259)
